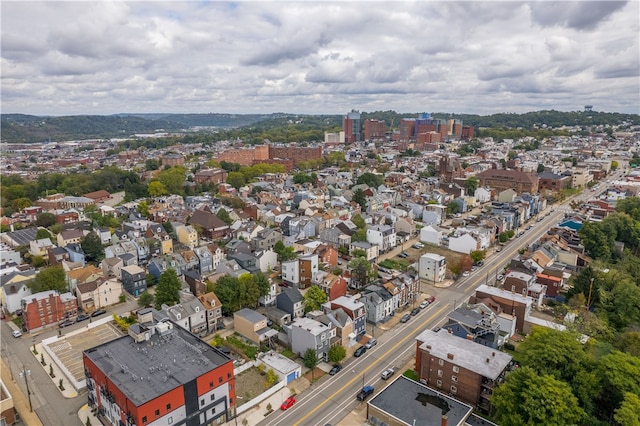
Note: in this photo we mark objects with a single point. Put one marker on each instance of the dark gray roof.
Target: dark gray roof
(293, 294)
(144, 371)
(24, 236)
(415, 403)
(250, 315)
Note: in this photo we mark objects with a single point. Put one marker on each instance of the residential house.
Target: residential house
(186, 234)
(266, 239)
(104, 234)
(286, 369)
(482, 195)
(342, 323)
(15, 288)
(40, 247)
(217, 254)
(245, 261)
(384, 236)
(75, 252)
(464, 243)
(57, 255)
(236, 246)
(213, 307)
(371, 251)
(47, 308)
(212, 226)
(306, 333)
(69, 236)
(266, 260)
(431, 234)
(432, 267)
(476, 322)
(511, 303)
(134, 280)
(252, 325)
(332, 285)
(158, 232)
(525, 284)
(269, 299)
(379, 303)
(290, 301)
(205, 260)
(81, 275)
(189, 314)
(98, 294)
(355, 309)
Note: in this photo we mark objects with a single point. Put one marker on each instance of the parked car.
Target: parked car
(371, 343)
(498, 249)
(365, 392)
(335, 369)
(431, 299)
(360, 351)
(16, 333)
(405, 318)
(98, 312)
(424, 304)
(415, 312)
(403, 255)
(465, 274)
(65, 323)
(387, 373)
(288, 403)
(82, 317)
(500, 277)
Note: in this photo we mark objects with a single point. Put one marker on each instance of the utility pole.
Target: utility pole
(589, 299)
(24, 373)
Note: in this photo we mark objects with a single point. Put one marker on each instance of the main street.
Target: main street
(332, 398)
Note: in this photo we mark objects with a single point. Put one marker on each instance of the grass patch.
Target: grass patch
(289, 354)
(249, 351)
(410, 374)
(397, 264)
(17, 321)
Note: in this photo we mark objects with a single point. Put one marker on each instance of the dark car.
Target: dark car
(415, 312)
(65, 323)
(405, 318)
(98, 312)
(82, 317)
(360, 351)
(335, 369)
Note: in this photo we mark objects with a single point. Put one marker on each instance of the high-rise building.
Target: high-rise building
(374, 130)
(352, 126)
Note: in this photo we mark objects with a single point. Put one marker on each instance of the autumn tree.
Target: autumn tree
(157, 189)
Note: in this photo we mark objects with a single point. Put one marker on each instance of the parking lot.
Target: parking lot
(68, 349)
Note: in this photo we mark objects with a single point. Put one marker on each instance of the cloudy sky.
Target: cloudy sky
(312, 57)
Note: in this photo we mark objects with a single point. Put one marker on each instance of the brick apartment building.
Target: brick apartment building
(160, 374)
(47, 308)
(214, 176)
(466, 370)
(172, 159)
(509, 179)
(287, 155)
(374, 130)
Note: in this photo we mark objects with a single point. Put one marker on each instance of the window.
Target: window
(170, 420)
(228, 375)
(144, 419)
(456, 369)
(439, 373)
(454, 379)
(157, 413)
(212, 396)
(441, 362)
(219, 379)
(201, 402)
(213, 411)
(439, 383)
(168, 407)
(210, 384)
(454, 389)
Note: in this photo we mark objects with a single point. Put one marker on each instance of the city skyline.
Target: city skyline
(72, 58)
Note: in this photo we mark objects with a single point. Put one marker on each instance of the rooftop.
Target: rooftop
(483, 360)
(414, 403)
(144, 371)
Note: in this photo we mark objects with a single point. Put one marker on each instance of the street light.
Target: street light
(24, 373)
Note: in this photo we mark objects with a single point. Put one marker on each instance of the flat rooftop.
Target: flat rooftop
(414, 403)
(146, 370)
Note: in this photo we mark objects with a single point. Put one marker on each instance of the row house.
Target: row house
(384, 236)
(525, 284)
(407, 285)
(355, 310)
(380, 304)
(266, 239)
(186, 235)
(371, 251)
(189, 314)
(253, 326)
(134, 280)
(301, 271)
(98, 294)
(15, 288)
(333, 286)
(47, 308)
(475, 322)
(306, 333)
(213, 307)
(158, 232)
(341, 322)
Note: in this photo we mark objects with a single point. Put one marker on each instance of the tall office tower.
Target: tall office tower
(352, 126)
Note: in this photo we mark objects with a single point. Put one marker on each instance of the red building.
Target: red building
(374, 130)
(210, 176)
(468, 132)
(160, 374)
(46, 308)
(352, 127)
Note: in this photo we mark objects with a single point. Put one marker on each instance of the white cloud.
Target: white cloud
(309, 57)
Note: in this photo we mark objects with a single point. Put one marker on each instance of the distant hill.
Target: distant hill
(21, 128)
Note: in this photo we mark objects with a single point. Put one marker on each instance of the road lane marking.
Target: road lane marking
(353, 380)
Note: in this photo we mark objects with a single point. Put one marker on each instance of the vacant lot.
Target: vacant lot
(249, 384)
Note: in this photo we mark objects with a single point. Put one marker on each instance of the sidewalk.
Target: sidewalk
(20, 401)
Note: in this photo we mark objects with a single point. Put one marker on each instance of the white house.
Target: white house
(384, 236)
(431, 234)
(483, 195)
(432, 267)
(463, 244)
(371, 250)
(266, 259)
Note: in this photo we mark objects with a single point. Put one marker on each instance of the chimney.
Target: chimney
(444, 420)
(487, 360)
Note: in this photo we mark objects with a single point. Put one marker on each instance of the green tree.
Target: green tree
(596, 242)
(503, 237)
(262, 282)
(236, 179)
(540, 168)
(619, 373)
(51, 278)
(143, 208)
(313, 299)
(92, 246)
(310, 360)
(284, 253)
(249, 292)
(337, 353)
(223, 215)
(45, 219)
(361, 272)
(360, 198)
(151, 164)
(146, 299)
(453, 207)
(157, 189)
(168, 289)
(528, 398)
(478, 255)
(173, 179)
(358, 221)
(629, 342)
(227, 290)
(42, 234)
(471, 184)
(359, 235)
(630, 206)
(371, 179)
(629, 411)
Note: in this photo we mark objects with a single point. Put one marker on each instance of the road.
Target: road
(332, 398)
(48, 403)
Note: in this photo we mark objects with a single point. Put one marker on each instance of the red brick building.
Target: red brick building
(500, 180)
(214, 176)
(98, 196)
(374, 130)
(47, 308)
(160, 374)
(172, 159)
